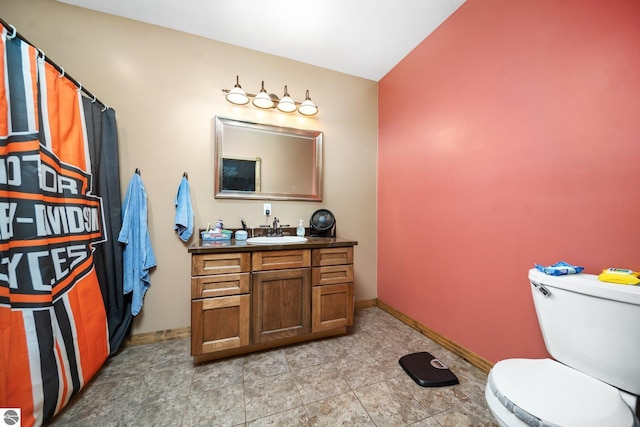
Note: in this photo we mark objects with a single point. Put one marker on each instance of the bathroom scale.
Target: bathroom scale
(427, 371)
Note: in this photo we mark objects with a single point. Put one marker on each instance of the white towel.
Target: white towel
(184, 211)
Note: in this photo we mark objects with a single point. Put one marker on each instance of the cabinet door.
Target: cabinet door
(332, 306)
(281, 304)
(219, 323)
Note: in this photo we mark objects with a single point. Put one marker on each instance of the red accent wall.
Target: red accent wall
(510, 136)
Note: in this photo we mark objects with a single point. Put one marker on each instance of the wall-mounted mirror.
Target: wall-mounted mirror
(259, 161)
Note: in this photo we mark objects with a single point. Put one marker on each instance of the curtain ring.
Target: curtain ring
(105, 108)
(41, 54)
(94, 99)
(14, 32)
(79, 86)
(61, 75)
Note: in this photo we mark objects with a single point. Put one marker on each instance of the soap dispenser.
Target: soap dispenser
(300, 230)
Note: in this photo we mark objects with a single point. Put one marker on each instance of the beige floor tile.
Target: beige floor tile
(353, 380)
(389, 403)
(270, 395)
(320, 382)
(342, 410)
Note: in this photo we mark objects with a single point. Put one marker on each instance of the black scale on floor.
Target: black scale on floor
(427, 371)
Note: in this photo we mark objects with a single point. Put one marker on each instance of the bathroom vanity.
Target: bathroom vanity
(246, 298)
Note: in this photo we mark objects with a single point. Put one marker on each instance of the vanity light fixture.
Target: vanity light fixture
(264, 100)
(307, 108)
(237, 95)
(286, 104)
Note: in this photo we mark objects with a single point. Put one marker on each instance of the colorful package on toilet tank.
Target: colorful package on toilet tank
(559, 268)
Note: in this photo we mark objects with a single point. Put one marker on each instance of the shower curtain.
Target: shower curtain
(60, 265)
(103, 150)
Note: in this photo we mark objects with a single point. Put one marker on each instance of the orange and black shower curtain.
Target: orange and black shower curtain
(54, 331)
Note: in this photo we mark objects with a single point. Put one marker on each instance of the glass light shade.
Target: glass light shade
(262, 99)
(237, 96)
(308, 108)
(286, 104)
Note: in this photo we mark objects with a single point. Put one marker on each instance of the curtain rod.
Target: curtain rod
(15, 33)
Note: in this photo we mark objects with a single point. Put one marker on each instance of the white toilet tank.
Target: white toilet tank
(591, 326)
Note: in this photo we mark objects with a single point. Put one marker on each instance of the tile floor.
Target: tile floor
(350, 380)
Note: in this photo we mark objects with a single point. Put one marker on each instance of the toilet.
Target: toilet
(592, 331)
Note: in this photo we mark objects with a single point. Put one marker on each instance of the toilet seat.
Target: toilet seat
(543, 392)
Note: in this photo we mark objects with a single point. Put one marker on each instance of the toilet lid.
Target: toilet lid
(558, 395)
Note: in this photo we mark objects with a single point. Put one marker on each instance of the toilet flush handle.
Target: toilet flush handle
(544, 291)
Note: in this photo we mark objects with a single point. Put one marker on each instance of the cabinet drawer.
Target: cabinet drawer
(332, 256)
(220, 285)
(278, 260)
(205, 264)
(332, 274)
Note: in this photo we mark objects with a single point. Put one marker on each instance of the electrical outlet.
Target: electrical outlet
(266, 208)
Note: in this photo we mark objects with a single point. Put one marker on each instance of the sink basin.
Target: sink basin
(276, 240)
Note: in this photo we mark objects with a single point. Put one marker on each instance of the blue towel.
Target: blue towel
(184, 211)
(137, 255)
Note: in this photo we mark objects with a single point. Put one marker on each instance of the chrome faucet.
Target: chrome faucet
(278, 228)
(268, 227)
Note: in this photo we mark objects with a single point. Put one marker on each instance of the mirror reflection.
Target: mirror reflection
(259, 161)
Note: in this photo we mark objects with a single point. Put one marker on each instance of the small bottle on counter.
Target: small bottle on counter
(300, 230)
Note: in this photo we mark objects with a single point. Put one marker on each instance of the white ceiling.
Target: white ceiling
(364, 38)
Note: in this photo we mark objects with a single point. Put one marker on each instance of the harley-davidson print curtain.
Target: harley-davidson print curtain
(54, 333)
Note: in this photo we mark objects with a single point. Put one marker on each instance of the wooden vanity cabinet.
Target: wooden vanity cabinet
(220, 302)
(332, 294)
(255, 299)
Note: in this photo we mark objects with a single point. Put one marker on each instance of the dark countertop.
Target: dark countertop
(234, 245)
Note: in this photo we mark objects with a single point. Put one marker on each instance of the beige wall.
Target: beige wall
(166, 88)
